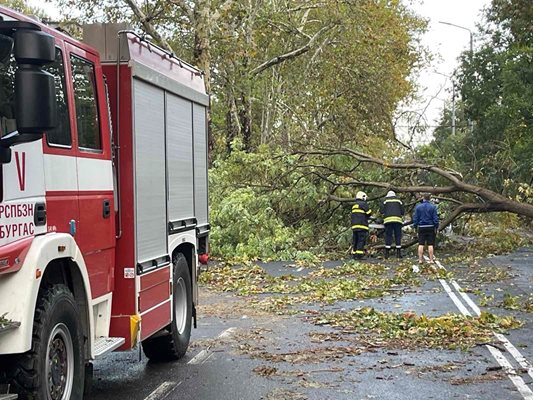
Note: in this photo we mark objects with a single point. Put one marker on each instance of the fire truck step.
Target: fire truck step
(4, 393)
(8, 325)
(103, 345)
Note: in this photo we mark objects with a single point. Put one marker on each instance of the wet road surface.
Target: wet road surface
(239, 352)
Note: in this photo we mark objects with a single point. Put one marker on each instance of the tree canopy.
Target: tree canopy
(287, 72)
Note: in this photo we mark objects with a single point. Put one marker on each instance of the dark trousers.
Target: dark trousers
(359, 241)
(393, 228)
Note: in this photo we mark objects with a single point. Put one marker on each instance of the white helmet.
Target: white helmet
(360, 196)
(390, 193)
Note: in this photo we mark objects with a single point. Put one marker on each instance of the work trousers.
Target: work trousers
(393, 228)
(359, 241)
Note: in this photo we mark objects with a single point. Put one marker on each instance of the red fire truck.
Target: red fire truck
(103, 202)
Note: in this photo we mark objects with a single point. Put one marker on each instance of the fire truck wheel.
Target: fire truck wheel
(172, 344)
(54, 367)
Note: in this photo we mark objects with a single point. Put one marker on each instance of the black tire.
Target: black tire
(172, 343)
(57, 333)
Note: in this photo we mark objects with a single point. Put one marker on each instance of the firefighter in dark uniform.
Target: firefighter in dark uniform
(360, 215)
(393, 212)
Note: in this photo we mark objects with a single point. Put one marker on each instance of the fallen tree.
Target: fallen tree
(463, 196)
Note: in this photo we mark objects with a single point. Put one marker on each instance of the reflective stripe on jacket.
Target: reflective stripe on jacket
(393, 210)
(360, 214)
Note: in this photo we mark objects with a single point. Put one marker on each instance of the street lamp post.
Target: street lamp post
(466, 29)
(453, 99)
(471, 123)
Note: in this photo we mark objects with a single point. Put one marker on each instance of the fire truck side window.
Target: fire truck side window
(87, 118)
(60, 136)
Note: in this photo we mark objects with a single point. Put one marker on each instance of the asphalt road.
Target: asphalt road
(239, 352)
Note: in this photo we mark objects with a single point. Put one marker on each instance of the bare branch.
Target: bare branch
(145, 22)
(496, 201)
(290, 55)
(449, 199)
(185, 8)
(306, 7)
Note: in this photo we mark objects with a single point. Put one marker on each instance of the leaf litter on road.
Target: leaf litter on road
(409, 330)
(358, 330)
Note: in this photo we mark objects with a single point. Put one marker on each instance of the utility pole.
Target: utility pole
(453, 99)
(466, 29)
(453, 108)
(470, 122)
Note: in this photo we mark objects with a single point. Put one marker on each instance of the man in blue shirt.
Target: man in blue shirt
(427, 222)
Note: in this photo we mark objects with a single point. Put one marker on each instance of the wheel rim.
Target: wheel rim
(180, 305)
(59, 363)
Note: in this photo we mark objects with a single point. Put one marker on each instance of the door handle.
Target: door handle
(39, 217)
(106, 209)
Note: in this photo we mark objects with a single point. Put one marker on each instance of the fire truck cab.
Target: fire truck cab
(103, 201)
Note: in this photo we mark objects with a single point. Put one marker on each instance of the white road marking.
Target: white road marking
(200, 357)
(454, 298)
(162, 391)
(524, 390)
(466, 298)
(520, 359)
(227, 333)
(207, 358)
(300, 269)
(204, 355)
(522, 387)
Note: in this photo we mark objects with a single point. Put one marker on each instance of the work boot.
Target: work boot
(387, 253)
(399, 253)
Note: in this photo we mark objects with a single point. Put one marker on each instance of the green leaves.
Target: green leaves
(408, 329)
(262, 206)
(350, 281)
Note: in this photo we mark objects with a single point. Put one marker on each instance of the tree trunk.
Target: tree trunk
(245, 111)
(233, 128)
(245, 116)
(202, 58)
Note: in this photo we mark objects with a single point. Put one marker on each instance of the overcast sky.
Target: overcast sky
(447, 43)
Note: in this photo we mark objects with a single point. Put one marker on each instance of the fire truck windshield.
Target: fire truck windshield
(7, 106)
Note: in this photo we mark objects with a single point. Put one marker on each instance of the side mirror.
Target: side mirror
(35, 97)
(5, 155)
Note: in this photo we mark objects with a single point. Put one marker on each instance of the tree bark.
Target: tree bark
(201, 15)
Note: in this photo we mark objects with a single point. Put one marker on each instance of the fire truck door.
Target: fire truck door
(96, 230)
(62, 210)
